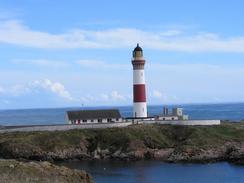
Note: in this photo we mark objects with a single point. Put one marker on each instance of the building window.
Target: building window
(84, 120)
(109, 119)
(163, 119)
(117, 119)
(99, 120)
(173, 118)
(92, 120)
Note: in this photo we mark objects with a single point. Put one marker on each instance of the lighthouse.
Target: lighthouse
(139, 88)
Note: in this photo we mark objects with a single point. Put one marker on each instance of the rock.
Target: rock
(12, 171)
(238, 161)
(163, 154)
(136, 154)
(116, 154)
(96, 154)
(104, 154)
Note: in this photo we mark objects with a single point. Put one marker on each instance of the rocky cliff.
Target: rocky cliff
(224, 142)
(12, 171)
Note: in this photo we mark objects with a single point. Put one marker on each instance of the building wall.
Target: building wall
(89, 121)
(177, 111)
(170, 118)
(106, 125)
(190, 122)
(66, 127)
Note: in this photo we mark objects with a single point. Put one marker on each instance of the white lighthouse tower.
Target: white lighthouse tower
(139, 89)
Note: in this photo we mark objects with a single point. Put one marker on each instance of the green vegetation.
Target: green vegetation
(84, 143)
(13, 171)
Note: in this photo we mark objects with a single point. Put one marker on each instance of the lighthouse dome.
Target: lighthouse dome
(138, 48)
(138, 52)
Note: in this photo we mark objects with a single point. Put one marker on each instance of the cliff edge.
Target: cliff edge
(169, 143)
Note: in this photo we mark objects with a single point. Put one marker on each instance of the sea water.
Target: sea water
(159, 172)
(231, 111)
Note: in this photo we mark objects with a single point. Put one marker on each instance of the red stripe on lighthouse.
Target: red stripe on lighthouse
(139, 93)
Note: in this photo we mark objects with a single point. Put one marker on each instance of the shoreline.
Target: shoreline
(166, 143)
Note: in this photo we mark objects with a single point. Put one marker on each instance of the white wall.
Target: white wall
(95, 121)
(170, 118)
(107, 125)
(140, 109)
(190, 122)
(138, 77)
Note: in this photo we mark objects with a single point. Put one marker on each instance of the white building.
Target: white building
(177, 114)
(93, 116)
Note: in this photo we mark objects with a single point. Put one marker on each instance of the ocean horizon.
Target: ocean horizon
(44, 116)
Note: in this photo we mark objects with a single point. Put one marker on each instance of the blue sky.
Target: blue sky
(73, 53)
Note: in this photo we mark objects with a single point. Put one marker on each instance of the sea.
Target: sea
(144, 171)
(228, 111)
(159, 172)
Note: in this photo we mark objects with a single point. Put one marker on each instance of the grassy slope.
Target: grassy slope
(12, 171)
(140, 136)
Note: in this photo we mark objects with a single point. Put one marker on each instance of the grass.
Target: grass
(113, 139)
(13, 171)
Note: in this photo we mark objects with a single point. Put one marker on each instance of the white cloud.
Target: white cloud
(88, 98)
(171, 33)
(196, 82)
(112, 97)
(157, 94)
(115, 95)
(46, 84)
(14, 32)
(104, 97)
(54, 87)
(174, 83)
(42, 63)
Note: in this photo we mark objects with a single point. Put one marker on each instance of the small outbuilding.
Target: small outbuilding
(93, 116)
(175, 115)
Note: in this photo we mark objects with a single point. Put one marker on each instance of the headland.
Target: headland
(169, 143)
